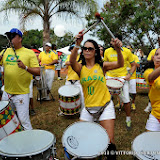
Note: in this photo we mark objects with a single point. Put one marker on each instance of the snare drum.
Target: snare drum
(140, 82)
(146, 146)
(9, 122)
(114, 86)
(29, 144)
(85, 140)
(69, 99)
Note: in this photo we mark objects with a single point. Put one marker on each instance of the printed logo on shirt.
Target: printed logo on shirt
(95, 71)
(11, 58)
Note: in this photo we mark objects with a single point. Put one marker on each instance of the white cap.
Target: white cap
(48, 44)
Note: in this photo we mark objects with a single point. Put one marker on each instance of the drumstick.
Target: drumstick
(97, 15)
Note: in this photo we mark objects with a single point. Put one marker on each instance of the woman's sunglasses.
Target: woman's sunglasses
(89, 49)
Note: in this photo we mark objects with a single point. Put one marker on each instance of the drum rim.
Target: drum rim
(31, 153)
(1, 110)
(137, 155)
(70, 95)
(116, 80)
(74, 155)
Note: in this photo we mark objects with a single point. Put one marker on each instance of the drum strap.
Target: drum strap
(98, 113)
(73, 81)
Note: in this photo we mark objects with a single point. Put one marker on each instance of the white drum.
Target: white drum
(146, 146)
(69, 99)
(85, 140)
(29, 144)
(114, 86)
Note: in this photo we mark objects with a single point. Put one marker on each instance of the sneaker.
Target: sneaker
(148, 108)
(133, 107)
(59, 78)
(39, 99)
(47, 98)
(32, 112)
(128, 125)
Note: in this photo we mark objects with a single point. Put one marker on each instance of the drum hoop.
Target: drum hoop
(85, 157)
(31, 153)
(116, 80)
(5, 106)
(70, 95)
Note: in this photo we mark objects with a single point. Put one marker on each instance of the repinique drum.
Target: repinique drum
(69, 99)
(140, 81)
(9, 122)
(29, 144)
(84, 140)
(114, 86)
(146, 146)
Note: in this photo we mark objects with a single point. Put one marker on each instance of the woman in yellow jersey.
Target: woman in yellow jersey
(152, 76)
(98, 104)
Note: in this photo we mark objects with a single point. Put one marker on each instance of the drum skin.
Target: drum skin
(9, 122)
(69, 99)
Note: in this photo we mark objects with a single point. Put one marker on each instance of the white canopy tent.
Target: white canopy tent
(64, 50)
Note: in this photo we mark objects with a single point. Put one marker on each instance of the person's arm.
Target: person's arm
(120, 61)
(52, 63)
(73, 57)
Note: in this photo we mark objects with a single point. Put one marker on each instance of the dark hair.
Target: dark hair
(98, 58)
(53, 46)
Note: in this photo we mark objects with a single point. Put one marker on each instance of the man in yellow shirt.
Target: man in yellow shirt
(18, 67)
(48, 58)
(122, 74)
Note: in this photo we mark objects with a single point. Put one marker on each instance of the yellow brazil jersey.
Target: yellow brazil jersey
(94, 86)
(17, 80)
(136, 59)
(71, 75)
(47, 58)
(151, 54)
(110, 55)
(56, 53)
(154, 93)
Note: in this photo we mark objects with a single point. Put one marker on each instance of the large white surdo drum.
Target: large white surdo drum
(69, 99)
(146, 146)
(84, 140)
(29, 144)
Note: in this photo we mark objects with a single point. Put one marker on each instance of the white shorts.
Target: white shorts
(31, 89)
(108, 113)
(124, 96)
(132, 86)
(153, 124)
(21, 103)
(49, 77)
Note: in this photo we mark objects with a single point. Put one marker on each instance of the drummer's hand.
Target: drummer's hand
(20, 64)
(79, 38)
(116, 43)
(127, 77)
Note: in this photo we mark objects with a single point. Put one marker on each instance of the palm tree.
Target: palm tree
(46, 9)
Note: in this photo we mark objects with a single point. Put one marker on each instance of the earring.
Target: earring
(95, 54)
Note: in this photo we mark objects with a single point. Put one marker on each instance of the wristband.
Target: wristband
(130, 73)
(76, 46)
(26, 68)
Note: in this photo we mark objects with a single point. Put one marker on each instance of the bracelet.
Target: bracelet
(76, 46)
(130, 73)
(26, 68)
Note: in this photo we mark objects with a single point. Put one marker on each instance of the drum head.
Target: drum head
(146, 145)
(114, 83)
(26, 143)
(3, 104)
(85, 140)
(69, 91)
(2, 88)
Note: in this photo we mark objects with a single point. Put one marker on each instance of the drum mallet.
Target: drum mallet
(97, 15)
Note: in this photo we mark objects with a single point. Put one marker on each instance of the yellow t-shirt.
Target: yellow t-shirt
(154, 93)
(151, 54)
(47, 58)
(17, 80)
(110, 55)
(136, 59)
(71, 75)
(96, 93)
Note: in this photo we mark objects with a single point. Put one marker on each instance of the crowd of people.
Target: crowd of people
(88, 70)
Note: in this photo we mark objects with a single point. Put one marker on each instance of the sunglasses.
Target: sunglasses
(89, 49)
(12, 36)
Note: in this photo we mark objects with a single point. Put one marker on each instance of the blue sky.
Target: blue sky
(13, 22)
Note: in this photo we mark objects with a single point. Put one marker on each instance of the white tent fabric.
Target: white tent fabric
(64, 50)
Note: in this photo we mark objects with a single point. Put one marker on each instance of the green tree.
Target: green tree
(46, 9)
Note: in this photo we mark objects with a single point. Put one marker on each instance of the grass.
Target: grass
(47, 118)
